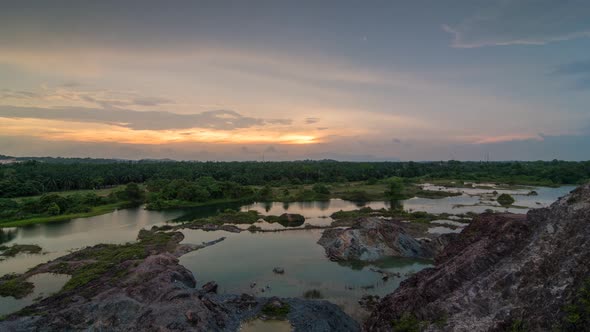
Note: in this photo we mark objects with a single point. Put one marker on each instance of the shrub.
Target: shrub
(312, 294)
(276, 309)
(577, 314)
(505, 200)
(408, 323)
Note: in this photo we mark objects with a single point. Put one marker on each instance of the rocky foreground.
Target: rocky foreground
(505, 272)
(142, 287)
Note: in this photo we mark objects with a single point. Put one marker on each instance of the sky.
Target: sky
(292, 80)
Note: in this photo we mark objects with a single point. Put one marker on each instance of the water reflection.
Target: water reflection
(189, 214)
(246, 259)
(56, 239)
(45, 285)
(7, 234)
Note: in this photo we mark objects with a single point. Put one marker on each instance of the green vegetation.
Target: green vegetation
(577, 314)
(231, 217)
(164, 194)
(251, 217)
(56, 207)
(518, 326)
(19, 248)
(408, 323)
(505, 200)
(101, 186)
(95, 211)
(435, 194)
(416, 216)
(396, 189)
(30, 178)
(287, 220)
(362, 212)
(13, 285)
(312, 294)
(276, 310)
(106, 259)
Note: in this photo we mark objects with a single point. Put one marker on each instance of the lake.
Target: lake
(246, 258)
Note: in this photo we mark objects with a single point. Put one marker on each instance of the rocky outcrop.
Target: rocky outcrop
(504, 271)
(143, 287)
(372, 239)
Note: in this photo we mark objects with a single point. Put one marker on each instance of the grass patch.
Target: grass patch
(435, 194)
(15, 286)
(577, 314)
(408, 323)
(99, 192)
(177, 204)
(230, 217)
(353, 214)
(416, 216)
(95, 211)
(107, 258)
(16, 249)
(276, 310)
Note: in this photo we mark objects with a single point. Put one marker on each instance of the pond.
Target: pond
(244, 263)
(45, 285)
(246, 258)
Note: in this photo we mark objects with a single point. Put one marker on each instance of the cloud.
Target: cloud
(12, 94)
(507, 138)
(100, 97)
(272, 149)
(311, 120)
(573, 68)
(71, 84)
(142, 120)
(523, 22)
(578, 71)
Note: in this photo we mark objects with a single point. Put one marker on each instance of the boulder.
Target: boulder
(372, 239)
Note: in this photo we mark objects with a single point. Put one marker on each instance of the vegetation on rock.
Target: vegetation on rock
(276, 309)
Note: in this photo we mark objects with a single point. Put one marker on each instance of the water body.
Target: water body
(244, 263)
(474, 200)
(58, 238)
(245, 258)
(45, 285)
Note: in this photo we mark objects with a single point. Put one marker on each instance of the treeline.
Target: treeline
(164, 193)
(35, 177)
(51, 205)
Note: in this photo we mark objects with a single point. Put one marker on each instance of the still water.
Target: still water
(244, 263)
(246, 258)
(45, 285)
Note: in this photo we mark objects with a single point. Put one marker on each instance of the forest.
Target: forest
(34, 177)
(35, 191)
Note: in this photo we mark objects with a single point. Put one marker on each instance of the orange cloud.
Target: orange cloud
(96, 132)
(506, 138)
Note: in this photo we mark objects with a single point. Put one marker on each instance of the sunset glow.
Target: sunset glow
(84, 132)
(391, 84)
